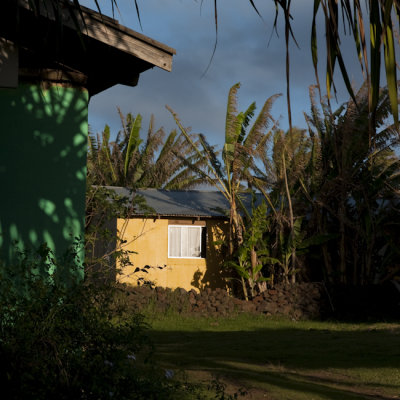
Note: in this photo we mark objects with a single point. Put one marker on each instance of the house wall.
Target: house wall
(149, 239)
(42, 168)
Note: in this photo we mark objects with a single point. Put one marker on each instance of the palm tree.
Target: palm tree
(130, 161)
(380, 16)
(355, 180)
(242, 146)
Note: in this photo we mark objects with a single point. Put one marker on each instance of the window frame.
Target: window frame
(200, 227)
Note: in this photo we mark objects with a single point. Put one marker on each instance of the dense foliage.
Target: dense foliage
(70, 341)
(133, 162)
(353, 190)
(330, 194)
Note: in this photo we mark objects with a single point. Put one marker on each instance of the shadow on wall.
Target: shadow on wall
(42, 168)
(214, 276)
(101, 250)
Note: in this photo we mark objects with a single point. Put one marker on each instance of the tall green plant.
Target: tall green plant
(284, 160)
(253, 253)
(355, 184)
(242, 146)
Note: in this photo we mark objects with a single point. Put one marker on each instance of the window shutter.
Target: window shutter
(203, 242)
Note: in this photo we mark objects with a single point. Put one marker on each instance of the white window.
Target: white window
(185, 241)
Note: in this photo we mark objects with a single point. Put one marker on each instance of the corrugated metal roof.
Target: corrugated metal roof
(188, 203)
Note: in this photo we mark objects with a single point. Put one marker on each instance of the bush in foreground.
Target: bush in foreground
(73, 341)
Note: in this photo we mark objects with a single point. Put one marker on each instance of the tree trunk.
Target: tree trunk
(246, 295)
(291, 219)
(342, 247)
(325, 253)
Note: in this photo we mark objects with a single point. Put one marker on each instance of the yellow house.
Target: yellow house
(178, 242)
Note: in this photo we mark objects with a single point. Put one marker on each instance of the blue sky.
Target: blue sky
(244, 54)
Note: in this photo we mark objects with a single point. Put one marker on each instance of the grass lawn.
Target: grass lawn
(281, 359)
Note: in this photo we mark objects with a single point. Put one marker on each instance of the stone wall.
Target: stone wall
(300, 301)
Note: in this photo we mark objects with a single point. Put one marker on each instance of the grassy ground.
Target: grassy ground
(282, 359)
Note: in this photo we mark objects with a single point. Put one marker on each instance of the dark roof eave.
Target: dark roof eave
(107, 32)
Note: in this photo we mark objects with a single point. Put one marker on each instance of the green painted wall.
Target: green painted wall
(43, 148)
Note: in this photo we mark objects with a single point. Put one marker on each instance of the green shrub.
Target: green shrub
(72, 341)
